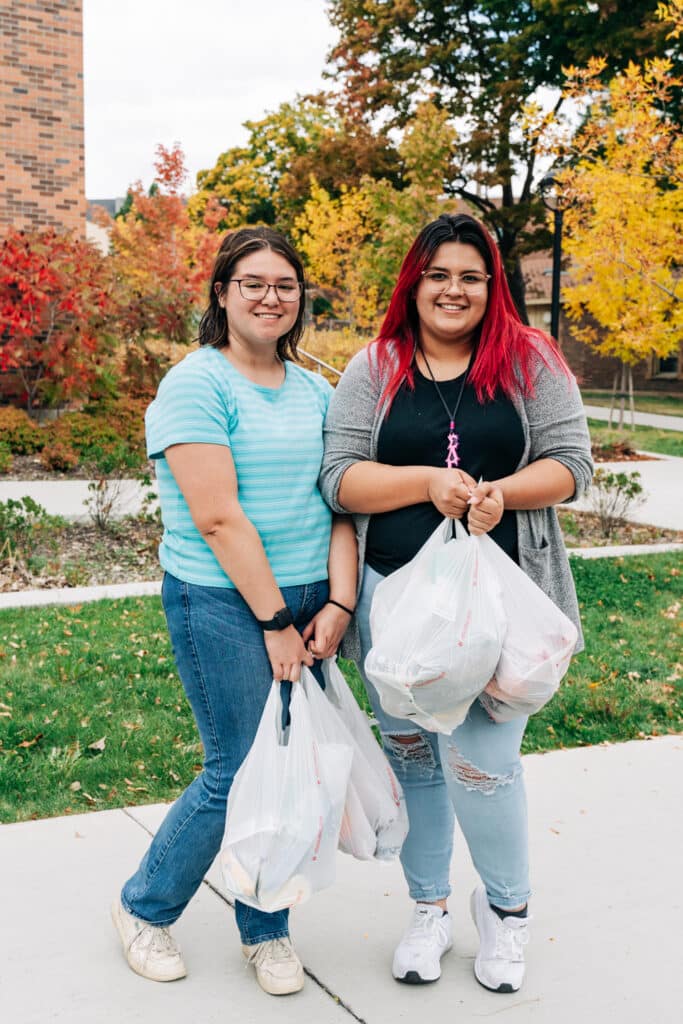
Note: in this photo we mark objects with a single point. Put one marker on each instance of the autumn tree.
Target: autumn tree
(162, 262)
(482, 62)
(427, 152)
(624, 227)
(55, 315)
(356, 241)
(267, 180)
(331, 234)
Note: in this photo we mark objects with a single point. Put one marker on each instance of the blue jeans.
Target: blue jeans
(223, 665)
(475, 773)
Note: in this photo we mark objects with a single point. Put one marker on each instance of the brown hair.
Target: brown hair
(213, 327)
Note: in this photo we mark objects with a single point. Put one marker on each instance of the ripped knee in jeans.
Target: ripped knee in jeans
(409, 752)
(473, 778)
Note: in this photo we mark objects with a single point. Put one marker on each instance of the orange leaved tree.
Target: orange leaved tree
(162, 262)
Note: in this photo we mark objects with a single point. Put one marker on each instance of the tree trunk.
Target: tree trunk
(518, 289)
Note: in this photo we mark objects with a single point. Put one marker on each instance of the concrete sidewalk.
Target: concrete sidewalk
(606, 835)
(662, 481)
(643, 419)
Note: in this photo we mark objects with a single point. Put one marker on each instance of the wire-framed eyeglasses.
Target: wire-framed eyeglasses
(468, 281)
(254, 289)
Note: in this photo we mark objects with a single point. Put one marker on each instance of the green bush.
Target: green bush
(24, 526)
(6, 459)
(19, 432)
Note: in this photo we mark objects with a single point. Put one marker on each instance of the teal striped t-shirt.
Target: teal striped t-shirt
(275, 436)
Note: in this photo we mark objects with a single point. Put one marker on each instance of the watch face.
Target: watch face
(283, 618)
(280, 620)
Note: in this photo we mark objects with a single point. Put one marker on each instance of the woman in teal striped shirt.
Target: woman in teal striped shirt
(258, 577)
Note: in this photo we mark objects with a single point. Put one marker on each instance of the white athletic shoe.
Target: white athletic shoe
(499, 964)
(418, 954)
(278, 968)
(150, 951)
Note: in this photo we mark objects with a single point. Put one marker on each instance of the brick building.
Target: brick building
(42, 152)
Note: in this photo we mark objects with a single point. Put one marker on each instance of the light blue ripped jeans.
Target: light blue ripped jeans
(475, 773)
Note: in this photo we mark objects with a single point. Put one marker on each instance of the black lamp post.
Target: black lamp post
(555, 201)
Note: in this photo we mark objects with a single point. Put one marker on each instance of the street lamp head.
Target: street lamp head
(552, 194)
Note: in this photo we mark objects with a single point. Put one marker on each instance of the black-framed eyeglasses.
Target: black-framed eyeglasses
(254, 289)
(469, 281)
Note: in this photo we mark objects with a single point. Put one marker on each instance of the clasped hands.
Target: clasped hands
(288, 650)
(454, 492)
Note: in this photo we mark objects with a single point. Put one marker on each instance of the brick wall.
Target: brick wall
(42, 154)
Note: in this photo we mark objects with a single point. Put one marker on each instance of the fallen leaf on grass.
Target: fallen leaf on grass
(30, 743)
(75, 786)
(133, 788)
(98, 746)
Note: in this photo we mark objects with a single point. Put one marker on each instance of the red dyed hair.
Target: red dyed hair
(505, 347)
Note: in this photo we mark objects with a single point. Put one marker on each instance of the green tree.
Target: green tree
(483, 62)
(267, 180)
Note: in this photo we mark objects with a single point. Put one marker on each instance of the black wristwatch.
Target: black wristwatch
(280, 620)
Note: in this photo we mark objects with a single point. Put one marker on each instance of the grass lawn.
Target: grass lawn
(92, 714)
(645, 439)
(666, 405)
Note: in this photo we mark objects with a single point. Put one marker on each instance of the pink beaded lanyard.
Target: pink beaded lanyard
(452, 457)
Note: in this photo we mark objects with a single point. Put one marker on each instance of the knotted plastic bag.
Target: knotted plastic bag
(437, 627)
(538, 645)
(285, 809)
(375, 821)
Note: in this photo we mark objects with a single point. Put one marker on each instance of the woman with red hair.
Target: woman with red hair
(456, 390)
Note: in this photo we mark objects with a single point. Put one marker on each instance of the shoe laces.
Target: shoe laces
(158, 940)
(424, 928)
(277, 950)
(512, 935)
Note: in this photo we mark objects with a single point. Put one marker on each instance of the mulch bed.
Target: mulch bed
(80, 554)
(83, 555)
(620, 451)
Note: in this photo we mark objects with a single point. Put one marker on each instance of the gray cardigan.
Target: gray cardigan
(554, 427)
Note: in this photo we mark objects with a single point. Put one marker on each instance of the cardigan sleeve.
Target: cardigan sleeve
(349, 425)
(557, 423)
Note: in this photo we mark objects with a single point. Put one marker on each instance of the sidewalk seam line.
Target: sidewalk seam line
(307, 971)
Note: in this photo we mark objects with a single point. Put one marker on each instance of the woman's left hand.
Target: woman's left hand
(324, 632)
(486, 508)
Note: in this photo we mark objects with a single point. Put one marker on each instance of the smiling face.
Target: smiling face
(257, 323)
(447, 313)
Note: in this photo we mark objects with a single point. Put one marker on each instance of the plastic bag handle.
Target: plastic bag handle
(455, 529)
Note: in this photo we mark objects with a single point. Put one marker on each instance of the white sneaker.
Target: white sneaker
(150, 951)
(278, 968)
(418, 954)
(499, 964)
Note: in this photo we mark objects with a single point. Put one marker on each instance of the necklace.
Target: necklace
(452, 457)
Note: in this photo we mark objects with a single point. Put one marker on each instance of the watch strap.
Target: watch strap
(281, 620)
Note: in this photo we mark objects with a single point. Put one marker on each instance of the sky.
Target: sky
(189, 71)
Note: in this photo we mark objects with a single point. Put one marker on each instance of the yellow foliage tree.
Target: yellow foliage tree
(625, 221)
(332, 234)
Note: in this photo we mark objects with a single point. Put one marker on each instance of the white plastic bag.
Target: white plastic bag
(284, 810)
(375, 818)
(437, 628)
(538, 644)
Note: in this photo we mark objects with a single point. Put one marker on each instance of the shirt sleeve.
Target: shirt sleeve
(348, 426)
(557, 424)
(191, 407)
